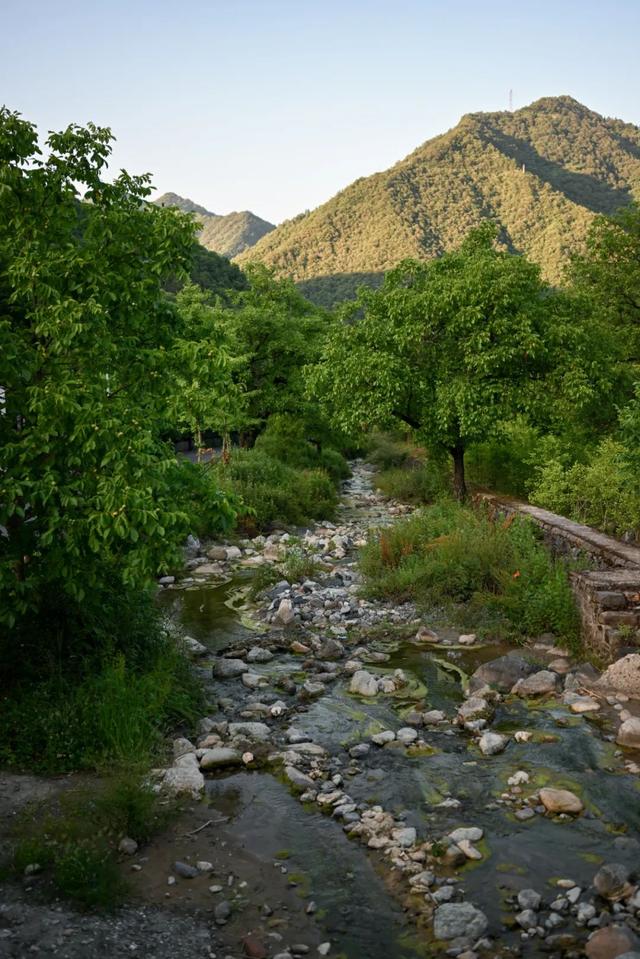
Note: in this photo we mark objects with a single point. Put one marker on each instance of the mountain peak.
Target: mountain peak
(542, 172)
(227, 235)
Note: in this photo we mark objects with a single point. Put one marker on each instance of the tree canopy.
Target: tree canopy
(94, 360)
(453, 348)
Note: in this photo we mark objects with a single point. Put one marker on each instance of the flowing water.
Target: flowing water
(357, 912)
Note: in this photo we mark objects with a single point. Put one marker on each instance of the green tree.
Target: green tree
(94, 359)
(276, 332)
(454, 348)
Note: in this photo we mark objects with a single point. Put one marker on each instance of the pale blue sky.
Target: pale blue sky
(274, 105)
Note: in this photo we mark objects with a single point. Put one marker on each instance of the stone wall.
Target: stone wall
(608, 594)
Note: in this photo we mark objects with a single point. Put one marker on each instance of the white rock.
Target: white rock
(363, 683)
(492, 743)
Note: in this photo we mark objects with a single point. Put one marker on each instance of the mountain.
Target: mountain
(228, 235)
(542, 172)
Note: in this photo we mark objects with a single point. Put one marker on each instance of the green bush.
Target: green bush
(496, 577)
(117, 713)
(603, 492)
(286, 438)
(386, 450)
(414, 482)
(272, 492)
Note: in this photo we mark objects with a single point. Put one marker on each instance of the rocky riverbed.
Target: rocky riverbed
(371, 784)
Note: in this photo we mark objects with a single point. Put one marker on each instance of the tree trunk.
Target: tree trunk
(459, 484)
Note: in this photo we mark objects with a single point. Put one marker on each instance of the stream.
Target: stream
(365, 905)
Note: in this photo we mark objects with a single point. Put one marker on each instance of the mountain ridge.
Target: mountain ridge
(227, 234)
(542, 172)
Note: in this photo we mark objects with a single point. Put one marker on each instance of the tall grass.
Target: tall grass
(495, 577)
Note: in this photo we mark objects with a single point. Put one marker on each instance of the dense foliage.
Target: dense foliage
(541, 172)
(456, 347)
(94, 362)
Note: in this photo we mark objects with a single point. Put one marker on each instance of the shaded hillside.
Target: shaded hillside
(542, 172)
(227, 235)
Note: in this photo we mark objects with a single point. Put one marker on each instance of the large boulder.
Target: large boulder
(502, 673)
(629, 733)
(229, 668)
(541, 683)
(612, 881)
(623, 676)
(184, 777)
(612, 942)
(560, 800)
(455, 920)
(492, 743)
(363, 683)
(220, 757)
(285, 614)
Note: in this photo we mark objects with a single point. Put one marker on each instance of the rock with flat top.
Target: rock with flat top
(623, 676)
(611, 943)
(363, 683)
(629, 733)
(456, 920)
(503, 672)
(541, 683)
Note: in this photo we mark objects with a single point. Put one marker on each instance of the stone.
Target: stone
(629, 733)
(381, 739)
(404, 836)
(193, 647)
(522, 736)
(229, 668)
(519, 778)
(623, 676)
(222, 913)
(285, 614)
(432, 717)
(184, 870)
(469, 849)
(529, 899)
(203, 865)
(363, 683)
(473, 708)
(312, 690)
(492, 743)
(220, 757)
(259, 655)
(298, 780)
(611, 942)
(406, 735)
(560, 801)
(218, 553)
(300, 648)
(522, 815)
(184, 778)
(182, 746)
(254, 680)
(128, 846)
(502, 673)
(253, 948)
(612, 881)
(470, 833)
(527, 919)
(257, 732)
(360, 750)
(541, 683)
(426, 635)
(467, 639)
(330, 649)
(456, 920)
(584, 704)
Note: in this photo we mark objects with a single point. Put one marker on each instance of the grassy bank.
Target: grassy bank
(496, 579)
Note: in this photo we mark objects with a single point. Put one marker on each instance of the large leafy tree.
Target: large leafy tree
(94, 359)
(454, 348)
(277, 332)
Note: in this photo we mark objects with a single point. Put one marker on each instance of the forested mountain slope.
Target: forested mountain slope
(228, 235)
(542, 172)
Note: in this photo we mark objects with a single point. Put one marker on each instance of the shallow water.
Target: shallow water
(361, 917)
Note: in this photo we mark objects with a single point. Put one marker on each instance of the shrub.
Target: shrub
(454, 555)
(387, 450)
(286, 438)
(117, 713)
(272, 492)
(603, 492)
(414, 482)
